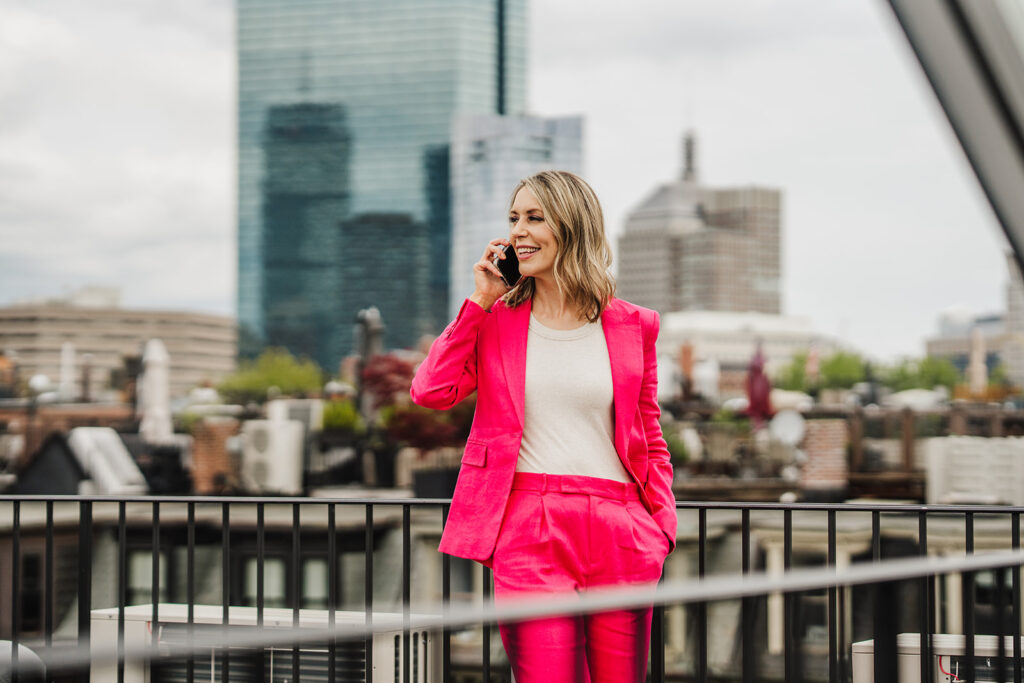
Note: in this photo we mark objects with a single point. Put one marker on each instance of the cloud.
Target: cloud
(119, 145)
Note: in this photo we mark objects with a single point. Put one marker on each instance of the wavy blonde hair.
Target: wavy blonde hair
(582, 262)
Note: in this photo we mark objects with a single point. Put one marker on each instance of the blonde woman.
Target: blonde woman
(565, 483)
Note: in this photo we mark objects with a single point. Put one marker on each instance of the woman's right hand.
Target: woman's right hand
(486, 276)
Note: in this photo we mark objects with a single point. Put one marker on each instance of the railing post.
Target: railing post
(657, 640)
(1000, 610)
(748, 663)
(926, 586)
(886, 624)
(446, 597)
(702, 607)
(368, 588)
(1015, 594)
(15, 587)
(833, 602)
(84, 579)
(406, 589)
(967, 581)
(792, 649)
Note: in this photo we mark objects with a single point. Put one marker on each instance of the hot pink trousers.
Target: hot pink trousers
(566, 534)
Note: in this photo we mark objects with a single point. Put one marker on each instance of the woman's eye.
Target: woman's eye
(536, 219)
(512, 219)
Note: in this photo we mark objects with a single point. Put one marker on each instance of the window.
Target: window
(314, 583)
(274, 582)
(140, 578)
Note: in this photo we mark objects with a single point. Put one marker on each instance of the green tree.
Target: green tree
(842, 370)
(998, 377)
(793, 375)
(343, 416)
(923, 373)
(901, 375)
(274, 368)
(933, 372)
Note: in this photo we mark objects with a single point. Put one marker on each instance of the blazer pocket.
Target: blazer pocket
(475, 453)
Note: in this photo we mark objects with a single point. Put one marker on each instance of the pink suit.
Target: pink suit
(486, 352)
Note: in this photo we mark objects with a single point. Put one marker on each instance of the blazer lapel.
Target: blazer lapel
(513, 331)
(625, 351)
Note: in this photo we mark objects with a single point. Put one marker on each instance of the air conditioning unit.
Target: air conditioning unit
(970, 469)
(948, 661)
(272, 456)
(351, 658)
(108, 466)
(308, 411)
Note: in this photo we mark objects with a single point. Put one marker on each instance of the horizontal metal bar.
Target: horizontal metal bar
(722, 587)
(681, 504)
(219, 500)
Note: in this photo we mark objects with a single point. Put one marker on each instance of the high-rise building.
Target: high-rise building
(305, 192)
(689, 247)
(377, 83)
(399, 287)
(489, 155)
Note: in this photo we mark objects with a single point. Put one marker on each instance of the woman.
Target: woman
(565, 483)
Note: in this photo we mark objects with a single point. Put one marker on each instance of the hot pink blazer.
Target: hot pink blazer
(486, 352)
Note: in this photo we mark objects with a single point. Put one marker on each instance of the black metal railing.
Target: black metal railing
(190, 544)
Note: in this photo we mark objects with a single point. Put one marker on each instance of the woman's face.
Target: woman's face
(529, 233)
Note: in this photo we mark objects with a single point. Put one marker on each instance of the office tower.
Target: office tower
(305, 192)
(399, 286)
(390, 74)
(489, 155)
(690, 247)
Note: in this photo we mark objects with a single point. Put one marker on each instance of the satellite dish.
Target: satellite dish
(787, 427)
(39, 383)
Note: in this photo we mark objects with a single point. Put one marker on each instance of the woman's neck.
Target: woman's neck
(552, 308)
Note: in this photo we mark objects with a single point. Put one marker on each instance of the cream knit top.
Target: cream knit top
(569, 427)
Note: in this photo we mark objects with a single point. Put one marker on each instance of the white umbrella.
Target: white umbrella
(155, 394)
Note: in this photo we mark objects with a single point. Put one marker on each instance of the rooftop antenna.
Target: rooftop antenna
(690, 156)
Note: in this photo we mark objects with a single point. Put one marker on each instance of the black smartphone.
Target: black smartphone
(508, 266)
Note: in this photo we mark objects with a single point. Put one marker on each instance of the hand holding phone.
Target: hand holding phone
(508, 266)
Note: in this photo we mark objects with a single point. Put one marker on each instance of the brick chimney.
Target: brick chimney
(825, 445)
(214, 470)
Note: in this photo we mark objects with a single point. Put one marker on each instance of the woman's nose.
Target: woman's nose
(518, 228)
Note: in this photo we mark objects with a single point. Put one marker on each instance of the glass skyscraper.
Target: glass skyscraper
(490, 154)
(344, 121)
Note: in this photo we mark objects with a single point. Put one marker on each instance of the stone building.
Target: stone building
(690, 247)
(202, 346)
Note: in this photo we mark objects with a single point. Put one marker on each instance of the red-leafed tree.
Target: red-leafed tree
(385, 378)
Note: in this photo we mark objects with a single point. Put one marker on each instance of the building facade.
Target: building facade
(689, 247)
(489, 155)
(202, 347)
(305, 190)
(376, 85)
(731, 339)
(1002, 334)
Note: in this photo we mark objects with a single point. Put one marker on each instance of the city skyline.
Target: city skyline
(345, 113)
(825, 103)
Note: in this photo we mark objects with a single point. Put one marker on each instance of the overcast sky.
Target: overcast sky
(117, 148)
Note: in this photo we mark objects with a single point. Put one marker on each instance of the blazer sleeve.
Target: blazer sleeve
(659, 464)
(448, 374)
